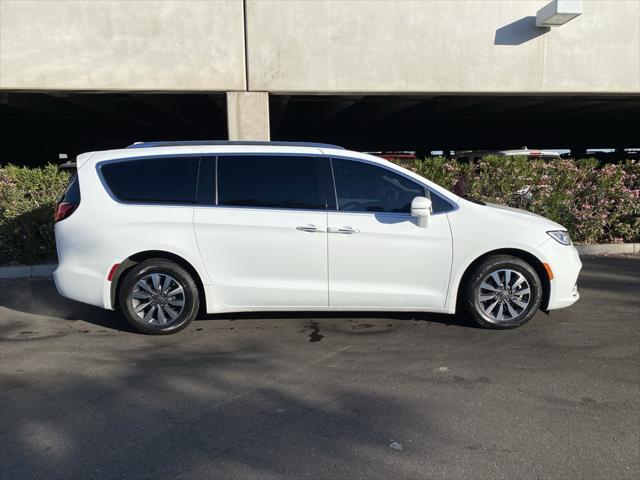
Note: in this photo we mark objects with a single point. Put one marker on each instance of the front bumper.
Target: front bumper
(565, 264)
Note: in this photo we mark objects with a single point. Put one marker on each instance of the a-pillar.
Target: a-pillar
(248, 116)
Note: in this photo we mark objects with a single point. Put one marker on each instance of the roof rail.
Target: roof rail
(188, 143)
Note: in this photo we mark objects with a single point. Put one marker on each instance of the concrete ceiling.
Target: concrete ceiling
(35, 127)
(460, 121)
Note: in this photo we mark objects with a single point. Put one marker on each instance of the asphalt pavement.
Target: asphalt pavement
(323, 396)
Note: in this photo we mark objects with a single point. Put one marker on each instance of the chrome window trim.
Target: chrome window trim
(263, 209)
(327, 157)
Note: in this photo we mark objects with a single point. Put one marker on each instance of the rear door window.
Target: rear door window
(271, 181)
(153, 180)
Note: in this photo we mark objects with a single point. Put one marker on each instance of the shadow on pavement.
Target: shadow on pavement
(39, 297)
(454, 320)
(616, 278)
(142, 414)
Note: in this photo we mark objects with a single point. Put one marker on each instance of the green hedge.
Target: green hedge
(27, 202)
(597, 203)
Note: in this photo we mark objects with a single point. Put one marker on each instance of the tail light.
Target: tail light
(63, 210)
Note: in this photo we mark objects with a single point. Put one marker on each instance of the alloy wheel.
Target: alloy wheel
(503, 296)
(157, 298)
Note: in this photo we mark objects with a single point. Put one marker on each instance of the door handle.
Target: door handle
(309, 228)
(343, 230)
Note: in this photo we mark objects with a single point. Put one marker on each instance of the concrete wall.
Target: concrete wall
(317, 46)
(441, 46)
(130, 45)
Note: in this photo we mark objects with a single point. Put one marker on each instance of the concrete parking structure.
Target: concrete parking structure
(420, 75)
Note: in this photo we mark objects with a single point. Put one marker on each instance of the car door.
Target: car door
(378, 255)
(264, 240)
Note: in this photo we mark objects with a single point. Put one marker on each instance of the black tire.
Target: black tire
(165, 306)
(476, 302)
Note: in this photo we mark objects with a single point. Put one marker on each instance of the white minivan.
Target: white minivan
(166, 230)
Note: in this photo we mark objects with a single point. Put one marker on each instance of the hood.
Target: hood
(517, 213)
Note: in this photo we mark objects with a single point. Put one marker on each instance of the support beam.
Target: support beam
(248, 115)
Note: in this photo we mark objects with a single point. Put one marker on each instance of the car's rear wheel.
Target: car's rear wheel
(159, 297)
(503, 292)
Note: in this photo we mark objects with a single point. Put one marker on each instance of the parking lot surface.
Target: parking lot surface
(323, 396)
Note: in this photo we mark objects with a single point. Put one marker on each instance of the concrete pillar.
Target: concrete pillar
(248, 115)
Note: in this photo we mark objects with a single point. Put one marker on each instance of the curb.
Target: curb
(27, 271)
(608, 248)
(46, 270)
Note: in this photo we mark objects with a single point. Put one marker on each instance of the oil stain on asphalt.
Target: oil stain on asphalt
(315, 335)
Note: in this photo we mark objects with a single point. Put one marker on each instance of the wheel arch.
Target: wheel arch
(528, 257)
(136, 258)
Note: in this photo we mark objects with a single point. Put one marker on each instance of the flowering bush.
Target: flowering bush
(597, 203)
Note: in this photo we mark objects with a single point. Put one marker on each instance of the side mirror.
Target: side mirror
(421, 209)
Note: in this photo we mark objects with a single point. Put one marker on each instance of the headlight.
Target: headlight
(560, 236)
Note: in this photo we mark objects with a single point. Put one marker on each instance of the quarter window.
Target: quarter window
(439, 205)
(157, 180)
(72, 193)
(361, 187)
(270, 181)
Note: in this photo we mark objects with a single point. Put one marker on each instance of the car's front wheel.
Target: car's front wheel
(503, 292)
(159, 297)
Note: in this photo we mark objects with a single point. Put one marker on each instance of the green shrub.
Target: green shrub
(597, 203)
(27, 202)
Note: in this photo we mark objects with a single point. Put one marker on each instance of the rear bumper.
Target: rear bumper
(565, 264)
(79, 284)
(82, 273)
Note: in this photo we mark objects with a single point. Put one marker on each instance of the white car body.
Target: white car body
(262, 259)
